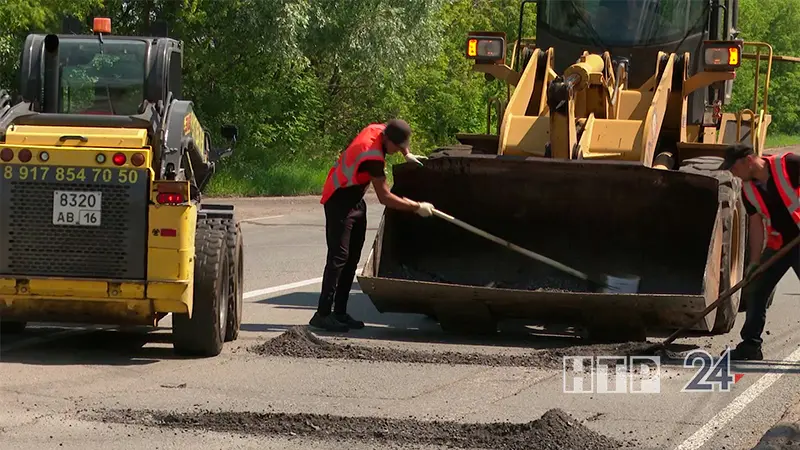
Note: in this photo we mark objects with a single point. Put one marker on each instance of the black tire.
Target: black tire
(204, 333)
(8, 327)
(235, 245)
(236, 298)
(734, 236)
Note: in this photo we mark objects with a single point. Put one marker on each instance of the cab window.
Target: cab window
(102, 78)
(626, 23)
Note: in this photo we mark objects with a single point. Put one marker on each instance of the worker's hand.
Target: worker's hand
(425, 209)
(410, 157)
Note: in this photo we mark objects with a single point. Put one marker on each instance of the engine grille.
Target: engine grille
(33, 246)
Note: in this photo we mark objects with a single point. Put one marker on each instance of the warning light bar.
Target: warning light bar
(491, 49)
(722, 55)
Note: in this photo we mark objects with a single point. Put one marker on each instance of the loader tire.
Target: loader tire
(204, 333)
(9, 327)
(235, 245)
(734, 235)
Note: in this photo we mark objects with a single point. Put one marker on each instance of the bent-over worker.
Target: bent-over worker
(771, 191)
(361, 163)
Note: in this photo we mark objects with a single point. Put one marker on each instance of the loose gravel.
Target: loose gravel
(555, 430)
(300, 342)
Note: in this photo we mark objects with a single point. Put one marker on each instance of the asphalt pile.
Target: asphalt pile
(555, 430)
(299, 342)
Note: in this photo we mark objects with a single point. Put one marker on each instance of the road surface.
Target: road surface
(57, 382)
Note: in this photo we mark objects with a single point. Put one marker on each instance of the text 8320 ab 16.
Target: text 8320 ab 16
(77, 208)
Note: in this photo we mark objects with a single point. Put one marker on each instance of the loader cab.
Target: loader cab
(99, 74)
(637, 30)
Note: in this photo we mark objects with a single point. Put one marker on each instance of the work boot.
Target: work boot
(746, 352)
(349, 321)
(327, 323)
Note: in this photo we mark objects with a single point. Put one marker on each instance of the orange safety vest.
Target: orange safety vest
(790, 196)
(367, 146)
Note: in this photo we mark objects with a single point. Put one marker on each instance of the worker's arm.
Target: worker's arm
(756, 237)
(390, 200)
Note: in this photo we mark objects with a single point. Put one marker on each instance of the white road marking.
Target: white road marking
(701, 436)
(284, 287)
(255, 219)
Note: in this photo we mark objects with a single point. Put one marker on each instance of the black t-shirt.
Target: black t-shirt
(348, 197)
(781, 220)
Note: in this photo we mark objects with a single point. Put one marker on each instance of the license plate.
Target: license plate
(77, 208)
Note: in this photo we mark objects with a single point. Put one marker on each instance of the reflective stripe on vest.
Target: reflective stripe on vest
(367, 146)
(349, 172)
(789, 195)
(774, 239)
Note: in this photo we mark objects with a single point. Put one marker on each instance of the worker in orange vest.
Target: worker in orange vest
(771, 188)
(362, 163)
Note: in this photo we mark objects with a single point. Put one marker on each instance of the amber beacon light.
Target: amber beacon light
(101, 25)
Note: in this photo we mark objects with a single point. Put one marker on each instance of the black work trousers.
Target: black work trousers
(345, 231)
(757, 294)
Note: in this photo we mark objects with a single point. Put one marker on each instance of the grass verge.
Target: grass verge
(281, 179)
(278, 179)
(304, 178)
(781, 140)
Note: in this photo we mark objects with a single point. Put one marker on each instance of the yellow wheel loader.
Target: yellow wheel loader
(101, 222)
(605, 158)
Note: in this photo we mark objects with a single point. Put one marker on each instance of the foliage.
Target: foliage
(301, 77)
(774, 22)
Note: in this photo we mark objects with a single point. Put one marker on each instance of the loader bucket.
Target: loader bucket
(599, 217)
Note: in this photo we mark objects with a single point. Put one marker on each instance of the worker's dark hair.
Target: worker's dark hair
(734, 153)
(398, 132)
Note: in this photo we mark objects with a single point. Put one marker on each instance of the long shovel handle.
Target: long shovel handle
(507, 244)
(732, 290)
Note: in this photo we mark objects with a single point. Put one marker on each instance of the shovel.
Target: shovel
(728, 292)
(595, 284)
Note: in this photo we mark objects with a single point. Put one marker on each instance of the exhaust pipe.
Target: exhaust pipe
(51, 74)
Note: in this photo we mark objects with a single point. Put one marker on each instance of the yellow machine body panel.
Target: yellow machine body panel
(165, 245)
(35, 135)
(192, 127)
(91, 301)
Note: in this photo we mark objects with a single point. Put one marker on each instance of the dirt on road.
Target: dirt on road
(555, 430)
(300, 342)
